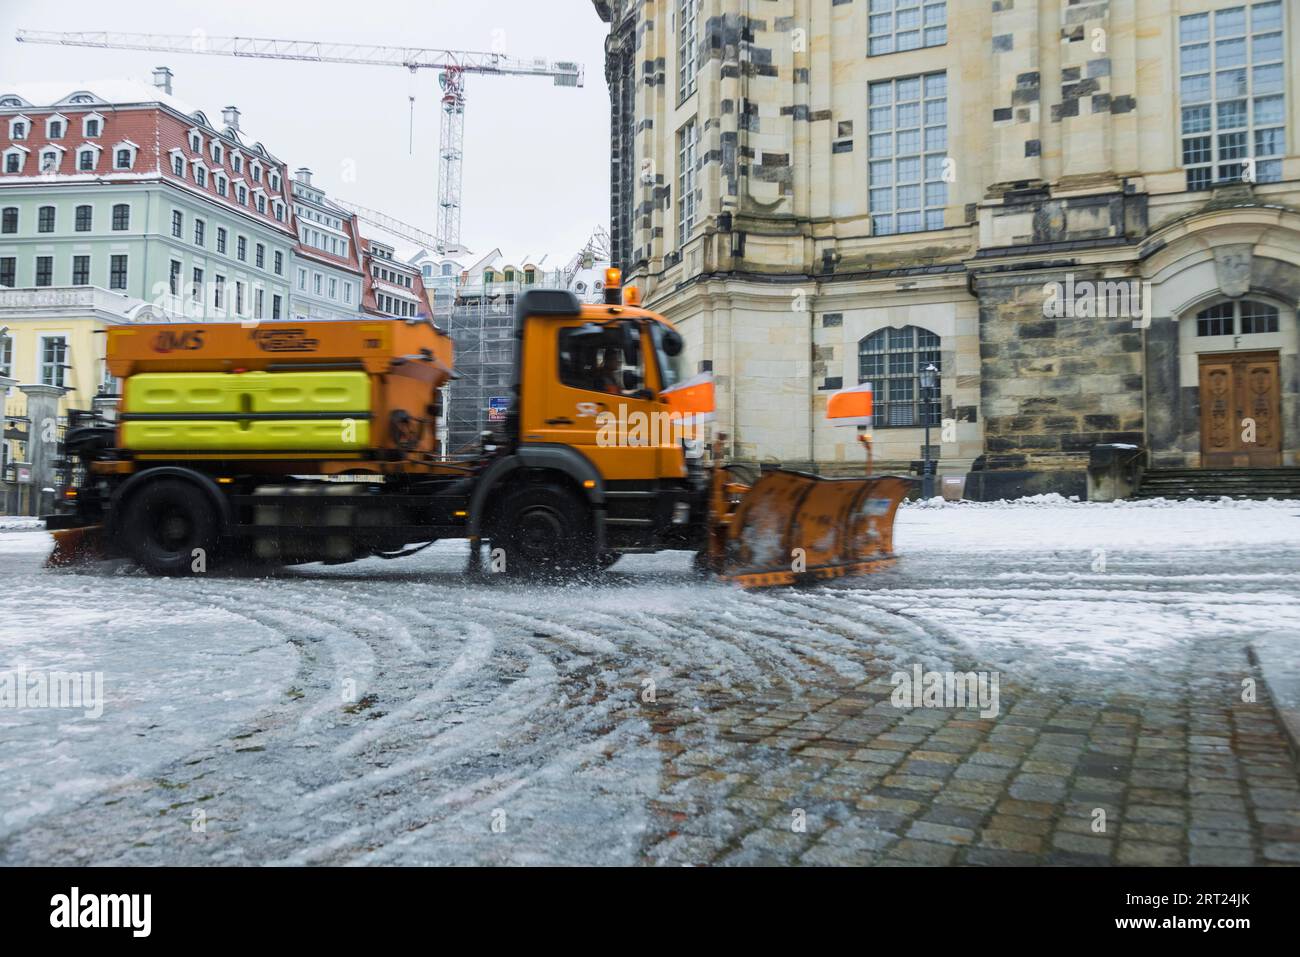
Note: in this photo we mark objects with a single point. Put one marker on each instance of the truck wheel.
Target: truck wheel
(165, 522)
(546, 532)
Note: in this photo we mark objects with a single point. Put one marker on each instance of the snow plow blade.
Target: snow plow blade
(792, 528)
(75, 546)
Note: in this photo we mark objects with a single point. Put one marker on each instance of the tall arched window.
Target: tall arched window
(891, 360)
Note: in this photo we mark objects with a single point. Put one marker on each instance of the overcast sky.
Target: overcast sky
(536, 155)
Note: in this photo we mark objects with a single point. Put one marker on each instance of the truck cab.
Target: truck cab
(593, 418)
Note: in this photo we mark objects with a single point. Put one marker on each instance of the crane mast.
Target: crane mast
(452, 67)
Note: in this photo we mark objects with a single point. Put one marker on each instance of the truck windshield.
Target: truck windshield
(670, 355)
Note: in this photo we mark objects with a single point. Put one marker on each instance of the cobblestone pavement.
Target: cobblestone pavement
(654, 719)
(1159, 764)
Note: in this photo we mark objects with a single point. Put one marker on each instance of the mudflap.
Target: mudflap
(792, 527)
(76, 546)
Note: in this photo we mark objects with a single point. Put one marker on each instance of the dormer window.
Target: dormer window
(279, 212)
(15, 159)
(178, 163)
(81, 98)
(221, 184)
(11, 101)
(200, 175)
(241, 194)
(18, 127)
(216, 152)
(92, 125)
(55, 127)
(256, 171)
(275, 181)
(237, 162)
(86, 159)
(196, 141)
(261, 204)
(51, 158)
(124, 154)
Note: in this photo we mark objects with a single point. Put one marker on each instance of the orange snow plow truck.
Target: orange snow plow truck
(318, 442)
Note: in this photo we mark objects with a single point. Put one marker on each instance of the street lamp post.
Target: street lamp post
(929, 379)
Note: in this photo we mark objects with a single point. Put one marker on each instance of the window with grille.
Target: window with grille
(8, 271)
(44, 270)
(174, 278)
(117, 272)
(687, 64)
(907, 148)
(177, 221)
(687, 148)
(9, 220)
(45, 219)
(199, 230)
(1246, 317)
(81, 270)
(54, 360)
(892, 360)
(121, 216)
(894, 26)
(1232, 92)
(83, 219)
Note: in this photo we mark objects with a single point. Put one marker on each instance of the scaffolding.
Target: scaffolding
(480, 318)
(482, 332)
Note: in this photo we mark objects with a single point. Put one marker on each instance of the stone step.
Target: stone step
(1246, 483)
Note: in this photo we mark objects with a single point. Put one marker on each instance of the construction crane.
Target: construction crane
(397, 227)
(453, 66)
(596, 250)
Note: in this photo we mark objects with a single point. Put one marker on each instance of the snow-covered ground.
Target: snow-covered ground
(394, 712)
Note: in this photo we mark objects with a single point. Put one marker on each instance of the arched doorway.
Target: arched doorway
(1222, 347)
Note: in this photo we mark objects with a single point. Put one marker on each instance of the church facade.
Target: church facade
(1085, 214)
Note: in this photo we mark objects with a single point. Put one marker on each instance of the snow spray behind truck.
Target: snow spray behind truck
(317, 442)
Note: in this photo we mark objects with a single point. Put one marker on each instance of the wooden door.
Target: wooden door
(1241, 410)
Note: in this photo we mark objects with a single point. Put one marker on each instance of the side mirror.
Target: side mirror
(672, 342)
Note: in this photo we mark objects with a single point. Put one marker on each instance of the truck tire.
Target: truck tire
(546, 533)
(165, 523)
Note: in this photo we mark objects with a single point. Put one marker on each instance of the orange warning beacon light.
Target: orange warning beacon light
(613, 286)
(852, 407)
